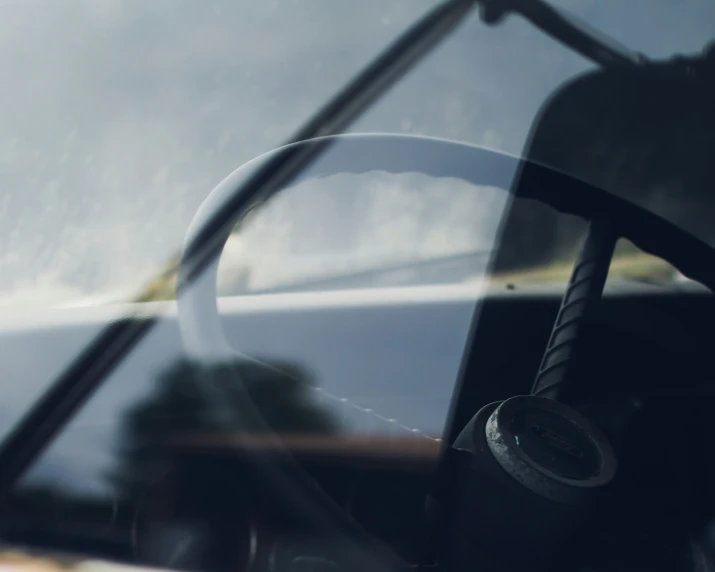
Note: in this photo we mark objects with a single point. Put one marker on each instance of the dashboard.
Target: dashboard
(214, 504)
(225, 488)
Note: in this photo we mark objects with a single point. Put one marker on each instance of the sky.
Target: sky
(118, 117)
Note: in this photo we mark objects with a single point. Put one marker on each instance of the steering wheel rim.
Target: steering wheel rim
(355, 153)
(198, 315)
(359, 153)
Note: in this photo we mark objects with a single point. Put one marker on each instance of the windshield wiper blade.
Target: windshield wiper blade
(409, 272)
(55, 407)
(566, 29)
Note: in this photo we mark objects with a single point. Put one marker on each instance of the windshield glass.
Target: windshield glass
(119, 117)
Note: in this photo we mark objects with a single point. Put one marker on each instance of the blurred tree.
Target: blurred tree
(239, 397)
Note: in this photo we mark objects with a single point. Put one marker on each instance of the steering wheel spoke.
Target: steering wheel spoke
(582, 295)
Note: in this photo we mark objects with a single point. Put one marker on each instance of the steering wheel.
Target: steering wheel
(358, 153)
(199, 321)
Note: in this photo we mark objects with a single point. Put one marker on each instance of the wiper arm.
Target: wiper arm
(564, 28)
(86, 373)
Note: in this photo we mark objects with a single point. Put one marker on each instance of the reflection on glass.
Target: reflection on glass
(142, 474)
(364, 231)
(193, 403)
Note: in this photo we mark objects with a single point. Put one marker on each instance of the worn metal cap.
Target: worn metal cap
(550, 448)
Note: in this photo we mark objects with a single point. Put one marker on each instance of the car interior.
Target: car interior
(580, 430)
(642, 373)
